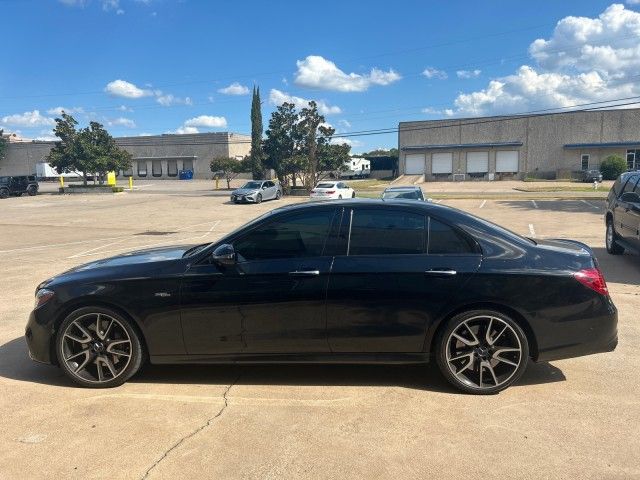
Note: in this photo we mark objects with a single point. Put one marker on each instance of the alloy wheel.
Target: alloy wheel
(483, 352)
(609, 235)
(96, 348)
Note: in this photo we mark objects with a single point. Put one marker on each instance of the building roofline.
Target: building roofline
(462, 145)
(601, 145)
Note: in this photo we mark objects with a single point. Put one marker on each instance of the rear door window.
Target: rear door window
(630, 185)
(447, 240)
(386, 232)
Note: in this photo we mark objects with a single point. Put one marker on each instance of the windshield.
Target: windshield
(408, 194)
(252, 185)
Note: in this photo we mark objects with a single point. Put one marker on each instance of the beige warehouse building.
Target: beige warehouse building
(548, 146)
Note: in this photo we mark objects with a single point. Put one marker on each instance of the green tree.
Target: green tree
(282, 143)
(228, 168)
(311, 122)
(256, 155)
(332, 159)
(612, 167)
(89, 150)
(3, 144)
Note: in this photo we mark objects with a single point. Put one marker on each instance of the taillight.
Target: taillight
(330, 192)
(592, 278)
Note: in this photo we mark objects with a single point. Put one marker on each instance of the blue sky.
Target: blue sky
(159, 66)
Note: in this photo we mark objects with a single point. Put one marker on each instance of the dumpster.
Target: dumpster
(185, 175)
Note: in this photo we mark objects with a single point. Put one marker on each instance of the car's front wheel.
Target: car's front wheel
(32, 190)
(610, 240)
(278, 195)
(4, 193)
(259, 198)
(482, 351)
(98, 348)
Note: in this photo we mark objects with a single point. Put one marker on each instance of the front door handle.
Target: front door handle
(441, 272)
(305, 273)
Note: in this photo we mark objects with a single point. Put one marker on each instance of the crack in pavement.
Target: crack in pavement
(193, 433)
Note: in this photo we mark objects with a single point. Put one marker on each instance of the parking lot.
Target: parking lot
(577, 418)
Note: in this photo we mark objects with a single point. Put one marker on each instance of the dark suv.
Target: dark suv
(623, 215)
(18, 185)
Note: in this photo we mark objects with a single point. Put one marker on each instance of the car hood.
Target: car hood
(244, 191)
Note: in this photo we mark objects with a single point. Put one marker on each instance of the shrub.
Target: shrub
(612, 167)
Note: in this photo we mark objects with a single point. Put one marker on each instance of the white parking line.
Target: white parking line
(92, 252)
(482, 204)
(437, 201)
(532, 231)
(590, 204)
(535, 205)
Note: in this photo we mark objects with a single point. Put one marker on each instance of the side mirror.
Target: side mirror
(224, 255)
(630, 197)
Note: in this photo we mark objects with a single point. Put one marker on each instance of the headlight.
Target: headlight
(43, 296)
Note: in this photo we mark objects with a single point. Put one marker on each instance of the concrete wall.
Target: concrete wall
(197, 149)
(543, 138)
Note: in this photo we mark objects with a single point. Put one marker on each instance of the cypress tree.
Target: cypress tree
(256, 136)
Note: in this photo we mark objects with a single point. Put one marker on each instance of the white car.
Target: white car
(331, 191)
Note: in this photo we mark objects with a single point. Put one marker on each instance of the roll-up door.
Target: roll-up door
(507, 161)
(414, 164)
(442, 163)
(477, 162)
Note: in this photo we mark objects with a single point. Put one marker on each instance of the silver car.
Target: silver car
(256, 191)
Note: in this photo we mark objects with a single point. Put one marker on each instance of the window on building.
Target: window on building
(156, 168)
(633, 159)
(390, 232)
(127, 173)
(187, 165)
(142, 168)
(444, 239)
(584, 161)
(301, 235)
(172, 168)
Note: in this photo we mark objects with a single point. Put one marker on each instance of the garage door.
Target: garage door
(507, 161)
(414, 164)
(442, 163)
(477, 162)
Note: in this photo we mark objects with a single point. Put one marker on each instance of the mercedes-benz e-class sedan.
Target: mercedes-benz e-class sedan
(350, 281)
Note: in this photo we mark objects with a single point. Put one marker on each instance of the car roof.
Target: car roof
(401, 187)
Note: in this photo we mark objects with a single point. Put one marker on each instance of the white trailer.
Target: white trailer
(357, 167)
(44, 171)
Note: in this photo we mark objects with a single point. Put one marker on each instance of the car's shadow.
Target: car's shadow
(619, 268)
(16, 365)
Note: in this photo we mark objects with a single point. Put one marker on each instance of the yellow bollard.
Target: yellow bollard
(217, 183)
(130, 183)
(61, 181)
(111, 179)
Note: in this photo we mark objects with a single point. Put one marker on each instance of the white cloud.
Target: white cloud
(432, 72)
(633, 2)
(109, 5)
(168, 99)
(344, 123)
(585, 60)
(468, 73)
(235, 89)
(124, 108)
(124, 89)
(353, 143)
(58, 110)
(318, 72)
(277, 97)
(28, 119)
(185, 130)
(206, 121)
(122, 122)
(73, 3)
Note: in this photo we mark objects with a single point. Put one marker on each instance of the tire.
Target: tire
(482, 364)
(32, 191)
(259, 198)
(94, 360)
(353, 195)
(278, 195)
(610, 239)
(4, 193)
(339, 197)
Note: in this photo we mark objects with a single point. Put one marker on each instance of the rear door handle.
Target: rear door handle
(440, 272)
(305, 273)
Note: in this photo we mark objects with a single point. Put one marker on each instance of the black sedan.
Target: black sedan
(354, 281)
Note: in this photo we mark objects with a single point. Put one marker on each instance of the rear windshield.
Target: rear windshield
(325, 185)
(410, 194)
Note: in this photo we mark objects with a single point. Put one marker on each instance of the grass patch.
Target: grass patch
(560, 188)
(368, 184)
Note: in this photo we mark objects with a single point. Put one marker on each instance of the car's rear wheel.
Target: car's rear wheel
(610, 240)
(339, 197)
(98, 348)
(482, 352)
(278, 195)
(32, 190)
(4, 193)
